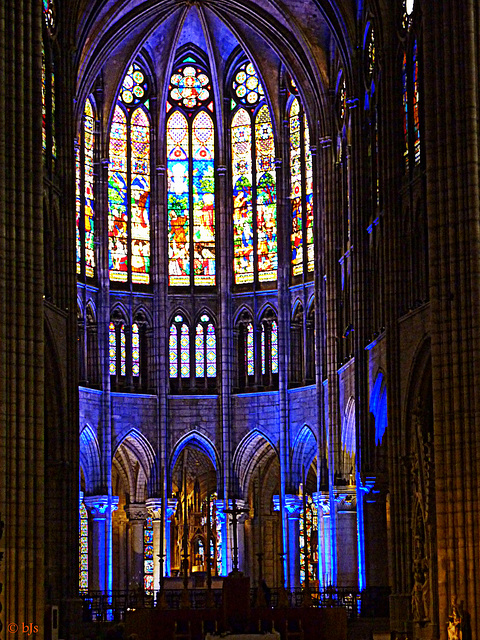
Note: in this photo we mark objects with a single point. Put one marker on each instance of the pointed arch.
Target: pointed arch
(255, 448)
(127, 449)
(90, 459)
(200, 442)
(304, 452)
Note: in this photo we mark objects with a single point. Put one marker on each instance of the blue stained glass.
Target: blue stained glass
(211, 352)
(250, 351)
(263, 350)
(199, 352)
(173, 345)
(274, 347)
(149, 536)
(184, 352)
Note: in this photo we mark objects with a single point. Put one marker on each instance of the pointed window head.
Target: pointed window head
(135, 88)
(246, 85)
(190, 87)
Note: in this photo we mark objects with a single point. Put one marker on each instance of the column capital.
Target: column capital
(101, 507)
(322, 502)
(171, 507)
(293, 505)
(154, 506)
(136, 511)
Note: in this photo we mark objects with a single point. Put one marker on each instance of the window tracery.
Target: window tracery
(129, 182)
(253, 180)
(190, 135)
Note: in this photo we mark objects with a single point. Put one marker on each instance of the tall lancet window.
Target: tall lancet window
(205, 349)
(253, 180)
(129, 182)
(83, 547)
(191, 177)
(301, 190)
(84, 195)
(411, 90)
(179, 352)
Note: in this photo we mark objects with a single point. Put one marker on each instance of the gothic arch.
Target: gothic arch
(90, 459)
(134, 447)
(254, 449)
(199, 441)
(304, 452)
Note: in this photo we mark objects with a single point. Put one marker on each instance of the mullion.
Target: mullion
(129, 199)
(254, 200)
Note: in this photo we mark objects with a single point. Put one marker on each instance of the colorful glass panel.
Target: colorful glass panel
(405, 108)
(148, 556)
(246, 85)
(242, 197)
(112, 349)
(263, 350)
(118, 199)
(134, 88)
(184, 352)
(89, 201)
(83, 547)
(44, 104)
(123, 352)
(266, 197)
(52, 115)
(416, 100)
(199, 352)
(178, 200)
(211, 352)
(309, 542)
(296, 188)
(173, 351)
(78, 208)
(190, 87)
(203, 199)
(274, 346)
(309, 198)
(250, 351)
(140, 196)
(49, 14)
(135, 351)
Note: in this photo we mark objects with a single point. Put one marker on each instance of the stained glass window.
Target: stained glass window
(129, 182)
(242, 197)
(191, 178)
(405, 108)
(49, 14)
(274, 347)
(112, 349)
(135, 350)
(199, 352)
(83, 548)
(184, 352)
(52, 115)
(173, 349)
(253, 180)
(89, 201)
(123, 351)
(148, 556)
(309, 542)
(118, 198)
(44, 103)
(203, 199)
(78, 208)
(309, 198)
(263, 350)
(250, 352)
(416, 117)
(301, 190)
(205, 349)
(296, 188)
(179, 348)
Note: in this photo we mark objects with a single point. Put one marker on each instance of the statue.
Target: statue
(421, 587)
(454, 624)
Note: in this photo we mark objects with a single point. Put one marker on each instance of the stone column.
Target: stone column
(293, 508)
(222, 519)
(171, 506)
(346, 531)
(322, 504)
(242, 565)
(136, 514)
(154, 506)
(101, 509)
